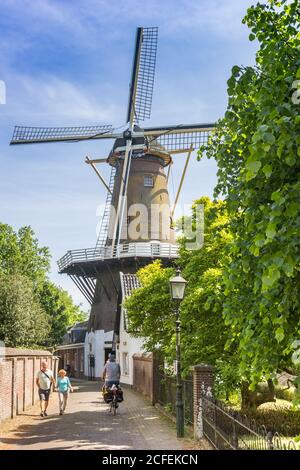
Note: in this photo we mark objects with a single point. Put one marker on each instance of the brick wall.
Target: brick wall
(18, 369)
(203, 382)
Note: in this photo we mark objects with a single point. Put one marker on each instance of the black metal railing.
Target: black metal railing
(166, 395)
(227, 429)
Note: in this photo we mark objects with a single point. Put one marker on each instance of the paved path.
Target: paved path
(88, 424)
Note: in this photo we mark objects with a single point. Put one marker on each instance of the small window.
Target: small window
(125, 363)
(148, 181)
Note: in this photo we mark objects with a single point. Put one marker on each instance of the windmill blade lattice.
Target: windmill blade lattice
(143, 71)
(34, 135)
(180, 137)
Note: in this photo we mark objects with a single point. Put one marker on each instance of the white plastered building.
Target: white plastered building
(127, 344)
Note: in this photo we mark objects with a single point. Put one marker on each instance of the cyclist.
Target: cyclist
(111, 372)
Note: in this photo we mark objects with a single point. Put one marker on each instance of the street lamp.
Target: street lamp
(177, 288)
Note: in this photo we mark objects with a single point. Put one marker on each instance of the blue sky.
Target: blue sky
(69, 63)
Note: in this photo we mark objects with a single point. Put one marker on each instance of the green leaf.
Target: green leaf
(293, 209)
(277, 197)
(267, 169)
(252, 37)
(289, 266)
(268, 137)
(235, 70)
(270, 277)
(279, 334)
(252, 166)
(259, 240)
(271, 230)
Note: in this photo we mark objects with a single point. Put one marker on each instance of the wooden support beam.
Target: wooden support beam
(112, 277)
(83, 291)
(182, 179)
(90, 162)
(102, 283)
(96, 160)
(174, 152)
(122, 196)
(87, 282)
(169, 170)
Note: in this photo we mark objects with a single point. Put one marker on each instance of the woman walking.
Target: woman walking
(63, 387)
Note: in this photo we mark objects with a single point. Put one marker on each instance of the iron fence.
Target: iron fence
(227, 429)
(166, 395)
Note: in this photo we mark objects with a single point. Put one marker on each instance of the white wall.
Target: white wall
(130, 345)
(95, 344)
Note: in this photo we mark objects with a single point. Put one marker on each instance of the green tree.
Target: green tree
(61, 311)
(256, 147)
(151, 311)
(23, 323)
(21, 255)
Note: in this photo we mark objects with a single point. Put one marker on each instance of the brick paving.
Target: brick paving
(88, 424)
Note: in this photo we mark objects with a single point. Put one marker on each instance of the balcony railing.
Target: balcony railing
(125, 250)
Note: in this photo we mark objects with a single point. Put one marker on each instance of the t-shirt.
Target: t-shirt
(44, 382)
(63, 384)
(111, 371)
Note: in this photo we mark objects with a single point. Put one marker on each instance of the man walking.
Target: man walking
(44, 380)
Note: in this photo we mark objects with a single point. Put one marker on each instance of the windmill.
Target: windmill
(137, 160)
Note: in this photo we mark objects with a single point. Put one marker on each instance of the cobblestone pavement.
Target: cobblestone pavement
(88, 424)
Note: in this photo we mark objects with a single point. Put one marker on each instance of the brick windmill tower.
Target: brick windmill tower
(136, 225)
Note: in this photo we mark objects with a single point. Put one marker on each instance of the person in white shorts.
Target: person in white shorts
(44, 380)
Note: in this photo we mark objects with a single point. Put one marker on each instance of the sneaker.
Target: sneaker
(45, 414)
(61, 413)
(41, 414)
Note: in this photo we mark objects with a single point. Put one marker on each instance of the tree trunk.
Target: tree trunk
(254, 398)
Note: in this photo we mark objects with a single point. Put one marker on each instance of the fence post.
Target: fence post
(235, 440)
(270, 440)
(203, 380)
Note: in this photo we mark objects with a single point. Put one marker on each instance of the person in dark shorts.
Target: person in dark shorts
(44, 380)
(112, 371)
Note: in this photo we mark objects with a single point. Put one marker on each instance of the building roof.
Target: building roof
(129, 282)
(79, 326)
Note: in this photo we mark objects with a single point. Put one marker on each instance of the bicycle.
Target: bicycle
(114, 402)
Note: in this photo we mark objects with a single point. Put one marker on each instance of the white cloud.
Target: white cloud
(86, 21)
(51, 97)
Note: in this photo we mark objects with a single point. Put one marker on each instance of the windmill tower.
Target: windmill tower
(136, 226)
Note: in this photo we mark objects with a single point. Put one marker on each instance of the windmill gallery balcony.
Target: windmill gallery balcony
(150, 250)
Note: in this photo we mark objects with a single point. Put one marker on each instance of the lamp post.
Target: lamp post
(177, 288)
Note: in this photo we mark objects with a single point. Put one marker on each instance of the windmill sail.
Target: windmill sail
(174, 138)
(36, 135)
(142, 79)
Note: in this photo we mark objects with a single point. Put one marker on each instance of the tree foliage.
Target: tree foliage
(24, 262)
(21, 253)
(256, 147)
(150, 308)
(61, 311)
(23, 322)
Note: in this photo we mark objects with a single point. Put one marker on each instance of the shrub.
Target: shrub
(285, 393)
(276, 418)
